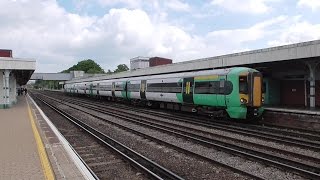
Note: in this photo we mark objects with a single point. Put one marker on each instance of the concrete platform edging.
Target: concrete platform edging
(46, 166)
(71, 152)
(294, 111)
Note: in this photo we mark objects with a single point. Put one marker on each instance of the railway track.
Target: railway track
(303, 140)
(184, 116)
(179, 149)
(287, 164)
(313, 135)
(145, 165)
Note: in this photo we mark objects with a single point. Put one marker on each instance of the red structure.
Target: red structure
(5, 53)
(157, 61)
(292, 93)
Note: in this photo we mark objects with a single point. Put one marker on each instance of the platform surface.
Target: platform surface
(19, 157)
(295, 110)
(19, 152)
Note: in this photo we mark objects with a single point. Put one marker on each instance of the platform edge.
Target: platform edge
(71, 152)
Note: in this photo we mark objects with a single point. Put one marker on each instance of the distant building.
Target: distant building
(139, 63)
(157, 61)
(6, 53)
(144, 62)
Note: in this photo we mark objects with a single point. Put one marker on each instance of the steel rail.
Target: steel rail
(248, 132)
(236, 170)
(306, 170)
(151, 168)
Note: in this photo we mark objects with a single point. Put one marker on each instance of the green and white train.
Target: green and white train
(235, 92)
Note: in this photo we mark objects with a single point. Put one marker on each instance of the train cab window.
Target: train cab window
(243, 85)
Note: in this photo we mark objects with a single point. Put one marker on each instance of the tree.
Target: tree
(109, 71)
(88, 66)
(121, 68)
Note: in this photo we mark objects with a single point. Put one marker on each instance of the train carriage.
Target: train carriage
(233, 91)
(105, 88)
(133, 89)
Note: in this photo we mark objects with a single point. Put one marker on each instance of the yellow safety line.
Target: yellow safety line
(46, 166)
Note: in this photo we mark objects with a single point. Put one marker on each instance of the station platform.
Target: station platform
(32, 148)
(293, 117)
(295, 110)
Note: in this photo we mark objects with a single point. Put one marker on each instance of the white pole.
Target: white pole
(7, 95)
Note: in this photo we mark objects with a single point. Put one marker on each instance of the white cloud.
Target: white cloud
(57, 39)
(46, 32)
(177, 5)
(244, 6)
(231, 39)
(296, 31)
(313, 4)
(129, 3)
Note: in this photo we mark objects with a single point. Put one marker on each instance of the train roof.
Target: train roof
(171, 75)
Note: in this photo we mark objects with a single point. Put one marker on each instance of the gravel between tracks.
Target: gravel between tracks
(176, 161)
(298, 150)
(114, 169)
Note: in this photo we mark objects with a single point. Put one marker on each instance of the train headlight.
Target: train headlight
(243, 101)
(262, 99)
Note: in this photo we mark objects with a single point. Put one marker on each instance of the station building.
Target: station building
(14, 73)
(291, 72)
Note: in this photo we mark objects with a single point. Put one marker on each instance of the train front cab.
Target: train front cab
(251, 94)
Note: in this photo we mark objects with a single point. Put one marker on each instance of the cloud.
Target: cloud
(57, 39)
(244, 6)
(313, 4)
(44, 31)
(294, 31)
(128, 3)
(231, 39)
(177, 5)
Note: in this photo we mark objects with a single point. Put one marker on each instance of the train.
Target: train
(235, 93)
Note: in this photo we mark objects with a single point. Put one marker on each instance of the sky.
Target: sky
(60, 33)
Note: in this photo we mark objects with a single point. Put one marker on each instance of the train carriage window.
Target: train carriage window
(213, 87)
(165, 87)
(243, 85)
(118, 87)
(203, 87)
(154, 87)
(172, 87)
(221, 86)
(134, 87)
(105, 87)
(228, 87)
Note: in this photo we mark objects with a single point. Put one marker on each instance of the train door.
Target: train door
(124, 90)
(187, 94)
(143, 87)
(221, 98)
(113, 89)
(91, 89)
(98, 88)
(255, 90)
